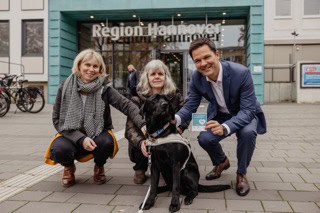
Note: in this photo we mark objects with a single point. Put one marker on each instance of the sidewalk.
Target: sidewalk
(284, 173)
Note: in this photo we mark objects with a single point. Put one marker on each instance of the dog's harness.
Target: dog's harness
(172, 138)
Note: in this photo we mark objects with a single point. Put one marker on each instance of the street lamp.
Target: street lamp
(295, 34)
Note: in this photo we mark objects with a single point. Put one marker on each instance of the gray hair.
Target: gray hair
(144, 87)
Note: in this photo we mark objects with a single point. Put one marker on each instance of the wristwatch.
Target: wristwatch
(225, 131)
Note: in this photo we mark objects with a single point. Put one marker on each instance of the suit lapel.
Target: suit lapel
(226, 83)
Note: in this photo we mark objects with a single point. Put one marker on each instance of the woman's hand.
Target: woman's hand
(88, 144)
(143, 148)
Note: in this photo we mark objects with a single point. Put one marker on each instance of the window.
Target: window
(283, 7)
(4, 38)
(32, 38)
(311, 7)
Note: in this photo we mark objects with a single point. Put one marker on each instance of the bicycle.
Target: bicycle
(27, 99)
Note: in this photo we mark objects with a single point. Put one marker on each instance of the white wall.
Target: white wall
(281, 28)
(29, 10)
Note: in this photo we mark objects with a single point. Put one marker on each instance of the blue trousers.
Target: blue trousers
(246, 140)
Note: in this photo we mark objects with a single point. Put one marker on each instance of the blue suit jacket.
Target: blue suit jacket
(238, 89)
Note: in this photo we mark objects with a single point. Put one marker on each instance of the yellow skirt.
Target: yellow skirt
(84, 158)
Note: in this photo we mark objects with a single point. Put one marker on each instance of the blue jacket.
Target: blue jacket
(238, 89)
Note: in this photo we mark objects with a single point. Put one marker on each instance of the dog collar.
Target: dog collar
(159, 131)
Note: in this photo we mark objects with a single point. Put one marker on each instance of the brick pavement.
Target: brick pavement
(284, 174)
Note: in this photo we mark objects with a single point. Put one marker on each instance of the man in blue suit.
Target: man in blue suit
(233, 108)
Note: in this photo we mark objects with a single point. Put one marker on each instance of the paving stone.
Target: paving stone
(91, 198)
(253, 195)
(273, 186)
(272, 170)
(60, 197)
(47, 207)
(133, 190)
(244, 205)
(47, 186)
(314, 171)
(85, 208)
(300, 196)
(305, 187)
(264, 177)
(299, 170)
(291, 178)
(309, 207)
(310, 178)
(10, 206)
(198, 203)
(30, 196)
(126, 200)
(276, 206)
(93, 188)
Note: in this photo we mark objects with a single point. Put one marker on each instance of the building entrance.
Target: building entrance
(174, 61)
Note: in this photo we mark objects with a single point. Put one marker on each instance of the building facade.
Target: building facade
(24, 40)
(292, 36)
(127, 32)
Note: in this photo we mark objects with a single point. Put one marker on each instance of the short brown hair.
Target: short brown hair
(195, 44)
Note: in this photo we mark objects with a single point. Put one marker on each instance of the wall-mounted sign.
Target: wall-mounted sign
(154, 30)
(310, 75)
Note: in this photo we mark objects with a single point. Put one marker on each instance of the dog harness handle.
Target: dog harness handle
(172, 138)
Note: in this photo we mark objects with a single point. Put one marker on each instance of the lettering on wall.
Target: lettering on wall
(154, 31)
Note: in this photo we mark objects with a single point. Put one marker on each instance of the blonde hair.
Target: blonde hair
(144, 87)
(85, 55)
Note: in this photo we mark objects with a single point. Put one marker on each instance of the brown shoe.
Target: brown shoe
(99, 176)
(68, 178)
(139, 177)
(217, 170)
(242, 187)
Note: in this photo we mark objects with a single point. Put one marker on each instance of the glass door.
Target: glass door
(174, 61)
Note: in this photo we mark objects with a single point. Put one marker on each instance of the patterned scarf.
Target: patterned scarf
(75, 116)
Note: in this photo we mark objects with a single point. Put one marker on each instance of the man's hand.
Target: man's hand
(88, 144)
(144, 148)
(174, 121)
(215, 126)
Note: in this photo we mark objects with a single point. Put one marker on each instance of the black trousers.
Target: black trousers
(136, 156)
(64, 151)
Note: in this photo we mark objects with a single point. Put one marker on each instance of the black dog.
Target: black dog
(169, 158)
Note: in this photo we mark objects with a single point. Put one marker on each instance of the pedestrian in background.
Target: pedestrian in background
(132, 81)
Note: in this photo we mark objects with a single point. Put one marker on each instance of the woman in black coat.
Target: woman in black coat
(155, 79)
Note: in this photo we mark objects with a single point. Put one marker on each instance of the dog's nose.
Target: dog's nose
(164, 105)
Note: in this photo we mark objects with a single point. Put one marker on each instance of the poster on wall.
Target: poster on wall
(310, 75)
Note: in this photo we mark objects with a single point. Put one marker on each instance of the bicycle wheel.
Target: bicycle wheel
(22, 100)
(4, 104)
(36, 100)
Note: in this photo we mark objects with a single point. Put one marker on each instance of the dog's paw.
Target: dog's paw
(175, 205)
(188, 200)
(149, 203)
(174, 208)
